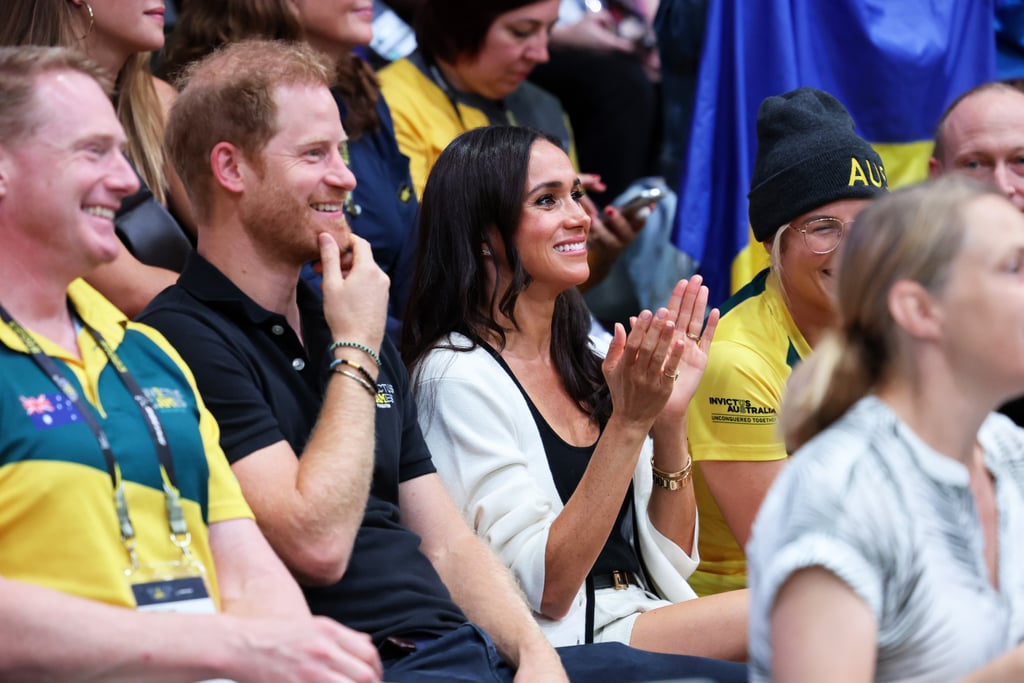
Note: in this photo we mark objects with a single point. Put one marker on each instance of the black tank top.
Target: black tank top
(567, 464)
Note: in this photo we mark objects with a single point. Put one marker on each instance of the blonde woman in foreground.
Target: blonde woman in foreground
(889, 549)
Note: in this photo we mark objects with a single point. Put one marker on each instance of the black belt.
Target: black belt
(619, 580)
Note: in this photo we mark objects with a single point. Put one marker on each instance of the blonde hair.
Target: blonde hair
(142, 116)
(912, 234)
(52, 23)
(775, 251)
(20, 68)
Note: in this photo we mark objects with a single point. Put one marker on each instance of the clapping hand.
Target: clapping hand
(687, 307)
(640, 367)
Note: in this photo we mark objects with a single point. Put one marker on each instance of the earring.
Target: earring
(484, 251)
(92, 20)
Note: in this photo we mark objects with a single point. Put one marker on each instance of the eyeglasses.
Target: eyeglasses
(823, 235)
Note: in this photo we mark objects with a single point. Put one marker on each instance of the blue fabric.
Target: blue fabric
(621, 663)
(387, 215)
(679, 25)
(467, 654)
(1010, 39)
(895, 66)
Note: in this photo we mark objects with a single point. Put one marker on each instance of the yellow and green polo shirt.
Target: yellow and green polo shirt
(734, 414)
(58, 525)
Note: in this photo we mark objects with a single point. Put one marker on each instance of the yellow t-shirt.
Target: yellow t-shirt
(426, 120)
(734, 414)
(58, 525)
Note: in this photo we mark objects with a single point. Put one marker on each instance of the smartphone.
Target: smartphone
(646, 197)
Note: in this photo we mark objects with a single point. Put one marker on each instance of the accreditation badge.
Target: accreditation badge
(172, 587)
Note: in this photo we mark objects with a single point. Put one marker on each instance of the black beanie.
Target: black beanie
(807, 155)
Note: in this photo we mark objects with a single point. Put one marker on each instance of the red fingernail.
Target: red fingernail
(609, 211)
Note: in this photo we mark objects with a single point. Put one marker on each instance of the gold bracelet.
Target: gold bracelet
(673, 481)
(355, 366)
(351, 375)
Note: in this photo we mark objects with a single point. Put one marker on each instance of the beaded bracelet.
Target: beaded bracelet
(673, 480)
(355, 366)
(355, 345)
(366, 385)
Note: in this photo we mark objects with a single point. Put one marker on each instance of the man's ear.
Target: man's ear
(227, 163)
(915, 310)
(934, 167)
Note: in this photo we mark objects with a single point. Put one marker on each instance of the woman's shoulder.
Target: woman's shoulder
(751, 328)
(399, 76)
(454, 357)
(849, 464)
(748, 358)
(841, 502)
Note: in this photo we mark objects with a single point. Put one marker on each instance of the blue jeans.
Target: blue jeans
(467, 654)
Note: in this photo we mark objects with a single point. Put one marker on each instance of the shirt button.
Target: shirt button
(277, 329)
(298, 363)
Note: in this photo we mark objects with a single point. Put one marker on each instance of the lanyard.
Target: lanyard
(180, 535)
(441, 82)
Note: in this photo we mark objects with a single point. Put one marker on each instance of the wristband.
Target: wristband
(355, 366)
(355, 345)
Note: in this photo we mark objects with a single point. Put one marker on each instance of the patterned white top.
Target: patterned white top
(869, 501)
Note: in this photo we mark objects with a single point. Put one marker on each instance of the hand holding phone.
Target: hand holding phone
(647, 197)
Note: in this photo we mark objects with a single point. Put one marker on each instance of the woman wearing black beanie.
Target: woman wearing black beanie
(813, 174)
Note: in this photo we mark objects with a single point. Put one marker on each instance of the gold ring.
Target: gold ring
(673, 375)
(694, 337)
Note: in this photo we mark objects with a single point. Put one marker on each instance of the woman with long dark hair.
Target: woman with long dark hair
(543, 444)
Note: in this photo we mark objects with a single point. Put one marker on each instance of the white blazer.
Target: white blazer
(488, 452)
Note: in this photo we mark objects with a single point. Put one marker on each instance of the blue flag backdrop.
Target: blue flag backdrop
(895, 65)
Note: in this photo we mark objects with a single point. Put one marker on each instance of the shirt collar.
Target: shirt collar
(91, 307)
(205, 282)
(777, 302)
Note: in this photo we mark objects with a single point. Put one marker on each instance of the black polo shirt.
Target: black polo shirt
(264, 387)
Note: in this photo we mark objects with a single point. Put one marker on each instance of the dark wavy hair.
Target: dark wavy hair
(474, 195)
(203, 26)
(448, 29)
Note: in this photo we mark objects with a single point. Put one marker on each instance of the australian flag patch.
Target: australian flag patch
(50, 410)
